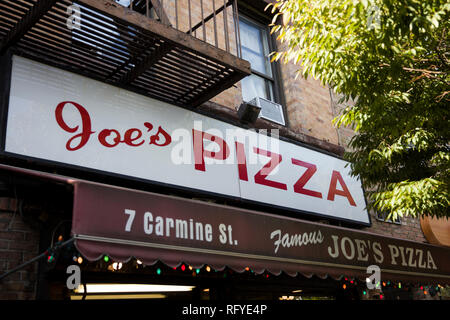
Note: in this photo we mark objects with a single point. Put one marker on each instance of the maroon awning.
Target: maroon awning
(124, 223)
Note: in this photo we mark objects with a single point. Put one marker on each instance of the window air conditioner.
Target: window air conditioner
(269, 110)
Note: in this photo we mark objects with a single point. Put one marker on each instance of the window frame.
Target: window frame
(267, 34)
(382, 215)
(262, 20)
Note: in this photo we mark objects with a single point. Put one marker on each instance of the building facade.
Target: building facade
(205, 59)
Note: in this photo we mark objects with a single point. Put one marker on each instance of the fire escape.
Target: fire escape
(183, 52)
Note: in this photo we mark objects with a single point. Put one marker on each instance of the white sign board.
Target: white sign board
(60, 116)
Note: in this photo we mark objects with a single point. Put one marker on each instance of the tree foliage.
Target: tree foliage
(391, 57)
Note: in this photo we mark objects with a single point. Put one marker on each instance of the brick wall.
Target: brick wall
(409, 229)
(18, 244)
(308, 105)
(344, 133)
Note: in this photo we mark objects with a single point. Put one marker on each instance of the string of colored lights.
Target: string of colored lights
(346, 283)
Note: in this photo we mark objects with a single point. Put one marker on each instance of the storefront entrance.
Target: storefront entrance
(106, 279)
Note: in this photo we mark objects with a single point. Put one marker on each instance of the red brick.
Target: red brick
(14, 286)
(13, 276)
(23, 246)
(27, 276)
(6, 216)
(18, 225)
(4, 204)
(25, 295)
(7, 295)
(30, 255)
(31, 267)
(10, 255)
(4, 244)
(8, 204)
(13, 204)
(12, 235)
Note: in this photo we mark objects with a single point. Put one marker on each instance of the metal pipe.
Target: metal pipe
(225, 22)
(203, 21)
(176, 14)
(237, 30)
(190, 18)
(216, 40)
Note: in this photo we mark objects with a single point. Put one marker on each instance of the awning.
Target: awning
(124, 223)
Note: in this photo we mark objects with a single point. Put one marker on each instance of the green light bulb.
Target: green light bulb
(158, 271)
(106, 258)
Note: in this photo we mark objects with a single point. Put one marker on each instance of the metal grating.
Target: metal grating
(119, 46)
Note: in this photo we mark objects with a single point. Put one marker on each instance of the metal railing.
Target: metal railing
(213, 21)
(129, 47)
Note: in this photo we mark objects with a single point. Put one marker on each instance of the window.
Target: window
(381, 216)
(256, 50)
(261, 87)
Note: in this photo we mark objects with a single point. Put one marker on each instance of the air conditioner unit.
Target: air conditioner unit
(248, 112)
(269, 110)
